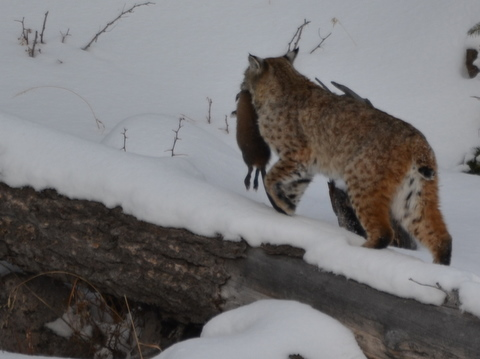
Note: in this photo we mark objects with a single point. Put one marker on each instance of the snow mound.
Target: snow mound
(272, 329)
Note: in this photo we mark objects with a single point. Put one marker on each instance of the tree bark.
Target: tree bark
(193, 278)
(172, 268)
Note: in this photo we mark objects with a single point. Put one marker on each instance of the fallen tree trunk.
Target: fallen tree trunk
(193, 278)
(172, 268)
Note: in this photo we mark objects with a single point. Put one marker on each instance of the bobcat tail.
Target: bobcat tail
(424, 159)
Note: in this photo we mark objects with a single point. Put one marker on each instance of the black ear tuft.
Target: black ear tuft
(291, 55)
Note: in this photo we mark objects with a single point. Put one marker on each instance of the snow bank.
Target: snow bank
(272, 329)
(161, 63)
(180, 192)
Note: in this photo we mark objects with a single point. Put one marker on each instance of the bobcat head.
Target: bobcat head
(258, 67)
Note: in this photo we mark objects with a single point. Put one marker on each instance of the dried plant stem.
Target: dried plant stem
(226, 129)
(337, 21)
(297, 36)
(124, 133)
(25, 31)
(13, 295)
(11, 301)
(32, 50)
(130, 10)
(43, 28)
(133, 328)
(474, 30)
(176, 138)
(209, 116)
(321, 42)
(99, 123)
(64, 36)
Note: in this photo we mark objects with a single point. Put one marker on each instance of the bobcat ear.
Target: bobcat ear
(291, 55)
(256, 63)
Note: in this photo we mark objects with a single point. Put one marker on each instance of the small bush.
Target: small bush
(474, 163)
(474, 30)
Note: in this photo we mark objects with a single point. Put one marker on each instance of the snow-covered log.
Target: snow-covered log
(193, 278)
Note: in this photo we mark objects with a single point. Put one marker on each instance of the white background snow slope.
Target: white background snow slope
(163, 61)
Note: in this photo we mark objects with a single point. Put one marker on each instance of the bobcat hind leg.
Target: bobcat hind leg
(372, 206)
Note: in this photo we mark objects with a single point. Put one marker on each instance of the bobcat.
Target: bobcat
(388, 166)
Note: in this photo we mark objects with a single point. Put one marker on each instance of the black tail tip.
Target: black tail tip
(427, 172)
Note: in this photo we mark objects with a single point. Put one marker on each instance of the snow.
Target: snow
(162, 62)
(257, 324)
(68, 324)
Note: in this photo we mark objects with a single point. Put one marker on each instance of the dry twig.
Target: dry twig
(226, 129)
(209, 116)
(336, 21)
(25, 31)
(474, 30)
(297, 36)
(133, 328)
(321, 42)
(451, 298)
(64, 36)
(100, 124)
(124, 133)
(31, 51)
(176, 138)
(24, 37)
(124, 12)
(43, 28)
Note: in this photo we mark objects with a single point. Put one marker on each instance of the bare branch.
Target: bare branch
(321, 42)
(24, 36)
(64, 36)
(451, 297)
(31, 51)
(475, 30)
(124, 133)
(209, 116)
(95, 38)
(226, 124)
(226, 129)
(297, 36)
(43, 28)
(176, 138)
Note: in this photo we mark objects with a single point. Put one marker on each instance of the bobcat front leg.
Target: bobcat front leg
(285, 184)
